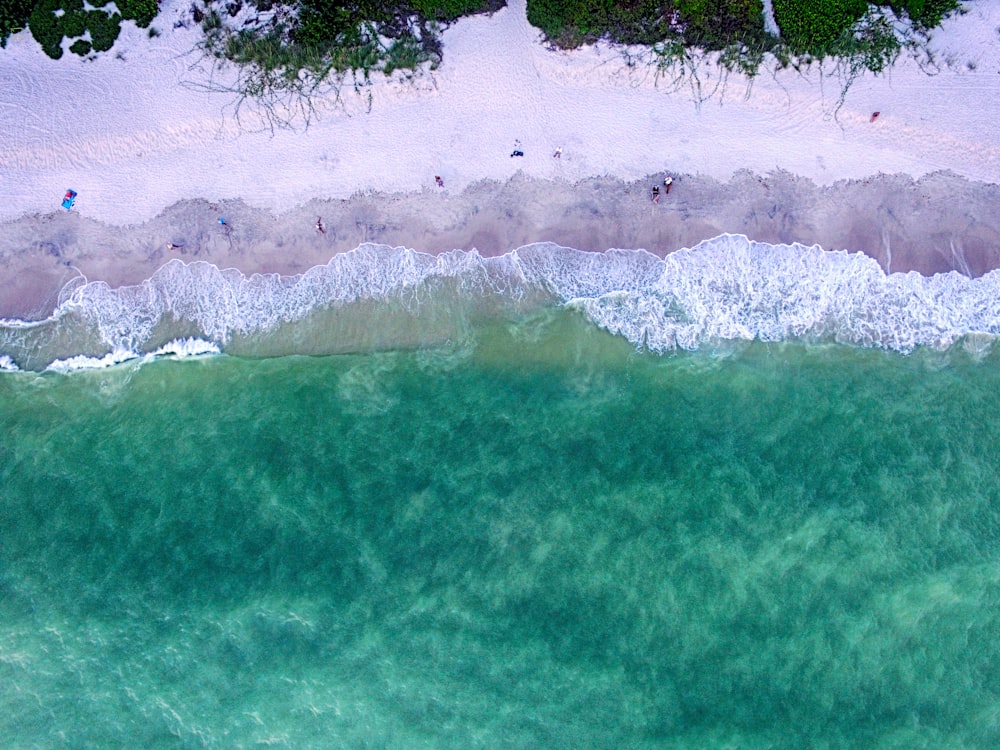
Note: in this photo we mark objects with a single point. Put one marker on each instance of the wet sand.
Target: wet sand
(939, 223)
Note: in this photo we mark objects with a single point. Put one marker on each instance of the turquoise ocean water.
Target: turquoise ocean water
(499, 521)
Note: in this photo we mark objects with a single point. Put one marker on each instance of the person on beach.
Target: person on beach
(558, 153)
(668, 182)
(656, 193)
(439, 181)
(874, 116)
(319, 225)
(517, 150)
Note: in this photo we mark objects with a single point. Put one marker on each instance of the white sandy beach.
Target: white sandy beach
(135, 131)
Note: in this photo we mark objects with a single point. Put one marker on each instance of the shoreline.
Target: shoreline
(938, 223)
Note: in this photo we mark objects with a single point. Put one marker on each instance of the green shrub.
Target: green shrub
(716, 24)
(14, 16)
(323, 21)
(814, 26)
(45, 27)
(925, 13)
(710, 24)
(810, 29)
(141, 11)
(80, 47)
(871, 45)
(835, 27)
(449, 10)
(314, 29)
(104, 30)
(571, 22)
(73, 23)
(49, 29)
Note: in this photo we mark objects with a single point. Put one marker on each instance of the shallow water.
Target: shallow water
(535, 538)
(376, 297)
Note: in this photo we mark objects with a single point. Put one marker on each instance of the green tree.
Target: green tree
(14, 16)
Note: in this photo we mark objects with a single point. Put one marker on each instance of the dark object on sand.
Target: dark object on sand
(874, 116)
(516, 152)
(319, 225)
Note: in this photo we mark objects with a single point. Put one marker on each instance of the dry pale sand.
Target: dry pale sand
(938, 223)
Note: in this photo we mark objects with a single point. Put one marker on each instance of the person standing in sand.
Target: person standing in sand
(319, 225)
(558, 153)
(668, 182)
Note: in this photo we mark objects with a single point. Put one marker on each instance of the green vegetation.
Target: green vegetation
(320, 36)
(292, 48)
(713, 24)
(104, 29)
(80, 47)
(49, 27)
(50, 21)
(141, 11)
(14, 16)
(316, 44)
(853, 30)
(814, 27)
(825, 27)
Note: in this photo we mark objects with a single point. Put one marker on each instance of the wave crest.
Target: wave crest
(724, 289)
(734, 288)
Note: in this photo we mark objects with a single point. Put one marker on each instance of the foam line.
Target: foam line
(728, 288)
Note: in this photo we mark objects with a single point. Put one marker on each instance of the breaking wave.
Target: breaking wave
(728, 288)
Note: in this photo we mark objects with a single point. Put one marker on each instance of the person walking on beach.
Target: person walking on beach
(439, 181)
(668, 182)
(228, 230)
(319, 225)
(656, 193)
(558, 153)
(517, 150)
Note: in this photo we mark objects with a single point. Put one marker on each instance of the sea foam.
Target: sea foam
(728, 288)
